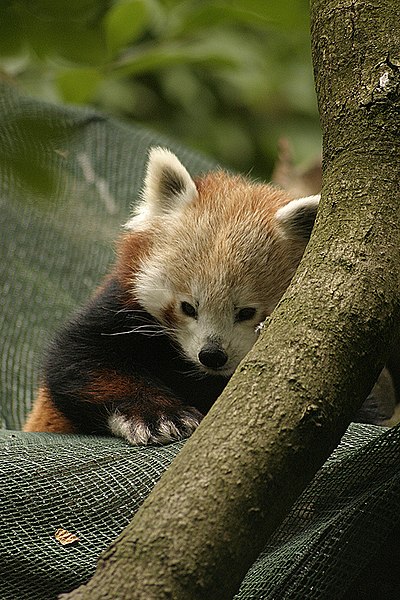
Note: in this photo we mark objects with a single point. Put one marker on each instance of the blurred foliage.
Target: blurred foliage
(229, 78)
(24, 158)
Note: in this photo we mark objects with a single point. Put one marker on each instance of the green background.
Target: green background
(229, 78)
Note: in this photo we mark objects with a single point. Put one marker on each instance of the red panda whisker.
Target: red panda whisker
(140, 329)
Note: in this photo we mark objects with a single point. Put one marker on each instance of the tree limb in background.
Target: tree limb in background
(297, 181)
(290, 401)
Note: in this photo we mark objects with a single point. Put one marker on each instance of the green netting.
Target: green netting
(86, 485)
(55, 246)
(92, 487)
(342, 520)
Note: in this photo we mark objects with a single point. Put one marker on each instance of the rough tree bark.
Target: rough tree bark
(290, 401)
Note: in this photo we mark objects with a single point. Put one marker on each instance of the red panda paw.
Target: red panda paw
(168, 427)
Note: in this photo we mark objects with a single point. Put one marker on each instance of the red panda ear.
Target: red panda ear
(167, 185)
(296, 219)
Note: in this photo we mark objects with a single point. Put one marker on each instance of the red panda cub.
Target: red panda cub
(199, 266)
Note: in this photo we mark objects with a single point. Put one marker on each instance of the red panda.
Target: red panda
(199, 267)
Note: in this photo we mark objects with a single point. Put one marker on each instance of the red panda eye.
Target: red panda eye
(188, 310)
(245, 314)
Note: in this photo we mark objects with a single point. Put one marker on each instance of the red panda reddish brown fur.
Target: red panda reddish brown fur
(45, 416)
(199, 267)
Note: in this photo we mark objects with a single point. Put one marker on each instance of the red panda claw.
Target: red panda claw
(169, 428)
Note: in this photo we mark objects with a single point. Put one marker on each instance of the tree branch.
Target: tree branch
(289, 403)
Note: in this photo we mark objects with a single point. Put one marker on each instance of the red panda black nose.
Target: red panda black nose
(211, 355)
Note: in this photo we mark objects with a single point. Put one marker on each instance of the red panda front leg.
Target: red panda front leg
(140, 412)
(158, 428)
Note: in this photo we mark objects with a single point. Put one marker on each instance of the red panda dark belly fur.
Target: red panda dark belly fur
(100, 365)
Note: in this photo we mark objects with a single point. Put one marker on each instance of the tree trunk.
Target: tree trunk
(318, 357)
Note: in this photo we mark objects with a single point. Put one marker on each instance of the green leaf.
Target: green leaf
(60, 10)
(256, 14)
(11, 32)
(60, 28)
(145, 60)
(218, 16)
(124, 23)
(290, 14)
(24, 157)
(78, 85)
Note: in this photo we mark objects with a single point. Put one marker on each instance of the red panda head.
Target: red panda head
(222, 252)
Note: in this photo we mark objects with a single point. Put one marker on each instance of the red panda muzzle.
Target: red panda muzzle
(213, 356)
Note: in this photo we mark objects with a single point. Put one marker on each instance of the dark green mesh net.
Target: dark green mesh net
(59, 218)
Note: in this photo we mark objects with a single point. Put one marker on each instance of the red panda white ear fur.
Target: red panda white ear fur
(167, 187)
(296, 219)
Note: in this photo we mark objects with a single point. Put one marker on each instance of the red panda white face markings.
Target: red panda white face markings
(224, 251)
